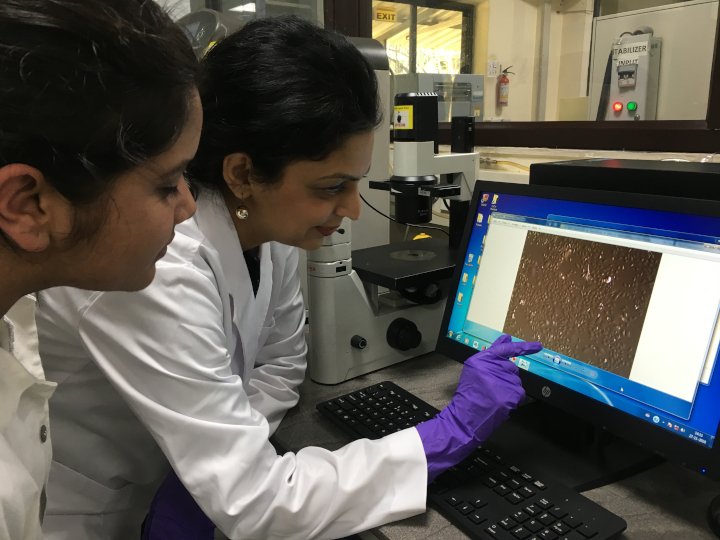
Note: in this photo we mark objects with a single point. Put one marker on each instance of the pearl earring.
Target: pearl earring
(242, 212)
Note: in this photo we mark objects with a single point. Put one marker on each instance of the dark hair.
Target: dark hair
(281, 90)
(90, 88)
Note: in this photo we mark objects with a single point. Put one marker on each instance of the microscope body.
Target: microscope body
(357, 327)
(381, 305)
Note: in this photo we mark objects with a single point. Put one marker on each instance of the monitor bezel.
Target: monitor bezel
(635, 430)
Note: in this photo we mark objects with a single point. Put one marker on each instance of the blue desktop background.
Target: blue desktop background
(697, 421)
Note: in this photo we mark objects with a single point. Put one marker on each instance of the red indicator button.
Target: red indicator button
(617, 106)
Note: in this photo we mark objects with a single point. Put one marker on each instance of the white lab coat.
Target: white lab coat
(25, 448)
(209, 369)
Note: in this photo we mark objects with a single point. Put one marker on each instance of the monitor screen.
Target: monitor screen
(622, 289)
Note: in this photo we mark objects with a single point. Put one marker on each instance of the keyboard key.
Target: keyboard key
(514, 498)
(572, 535)
(560, 528)
(572, 521)
(546, 518)
(533, 525)
(532, 509)
(453, 501)
(587, 531)
(558, 512)
(502, 489)
(507, 523)
(479, 503)
(465, 508)
(521, 533)
(520, 516)
(490, 481)
(544, 503)
(476, 518)
(547, 534)
(526, 492)
(344, 404)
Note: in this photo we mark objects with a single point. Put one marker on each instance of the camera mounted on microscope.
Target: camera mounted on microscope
(415, 135)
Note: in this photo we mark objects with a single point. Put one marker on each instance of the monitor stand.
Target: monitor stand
(557, 446)
(713, 516)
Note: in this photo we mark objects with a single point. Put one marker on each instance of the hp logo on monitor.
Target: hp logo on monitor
(546, 391)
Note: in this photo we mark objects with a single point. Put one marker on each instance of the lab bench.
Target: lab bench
(667, 501)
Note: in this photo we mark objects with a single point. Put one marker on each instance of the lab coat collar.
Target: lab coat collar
(249, 310)
(20, 367)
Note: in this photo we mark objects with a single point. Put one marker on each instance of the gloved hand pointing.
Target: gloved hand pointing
(489, 388)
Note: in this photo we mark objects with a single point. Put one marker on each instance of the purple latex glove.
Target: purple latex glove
(489, 388)
(175, 515)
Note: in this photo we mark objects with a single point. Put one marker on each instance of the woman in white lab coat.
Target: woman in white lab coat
(199, 368)
(89, 190)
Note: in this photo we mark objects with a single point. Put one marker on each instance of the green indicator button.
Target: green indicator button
(632, 106)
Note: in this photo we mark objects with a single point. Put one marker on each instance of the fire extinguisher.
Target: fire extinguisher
(503, 87)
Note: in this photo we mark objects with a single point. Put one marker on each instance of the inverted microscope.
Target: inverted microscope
(374, 307)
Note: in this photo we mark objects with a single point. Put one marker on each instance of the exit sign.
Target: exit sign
(385, 15)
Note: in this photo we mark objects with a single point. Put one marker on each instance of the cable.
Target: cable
(514, 164)
(406, 224)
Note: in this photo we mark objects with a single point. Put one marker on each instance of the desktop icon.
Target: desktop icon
(470, 257)
(450, 333)
(523, 364)
(479, 219)
(656, 419)
(467, 341)
(495, 198)
(485, 197)
(465, 277)
(476, 344)
(459, 297)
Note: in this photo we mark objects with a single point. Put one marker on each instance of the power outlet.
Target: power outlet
(493, 68)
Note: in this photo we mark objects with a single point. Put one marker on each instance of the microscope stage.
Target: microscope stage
(405, 264)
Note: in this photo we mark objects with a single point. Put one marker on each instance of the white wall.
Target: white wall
(513, 41)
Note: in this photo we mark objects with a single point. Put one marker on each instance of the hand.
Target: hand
(489, 382)
(489, 388)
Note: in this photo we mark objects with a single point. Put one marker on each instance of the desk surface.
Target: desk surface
(662, 503)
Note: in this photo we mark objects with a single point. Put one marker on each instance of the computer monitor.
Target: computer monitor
(622, 289)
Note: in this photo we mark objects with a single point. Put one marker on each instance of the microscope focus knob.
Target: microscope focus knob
(358, 342)
(403, 334)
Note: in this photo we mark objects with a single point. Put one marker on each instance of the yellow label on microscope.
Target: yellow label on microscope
(403, 118)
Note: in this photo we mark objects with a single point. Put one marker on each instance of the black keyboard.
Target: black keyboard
(484, 496)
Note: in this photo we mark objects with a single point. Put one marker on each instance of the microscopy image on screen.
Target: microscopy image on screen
(584, 299)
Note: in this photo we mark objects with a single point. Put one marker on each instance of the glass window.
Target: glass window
(245, 10)
(421, 39)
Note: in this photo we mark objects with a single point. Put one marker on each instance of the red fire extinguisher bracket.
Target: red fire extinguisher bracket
(503, 87)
